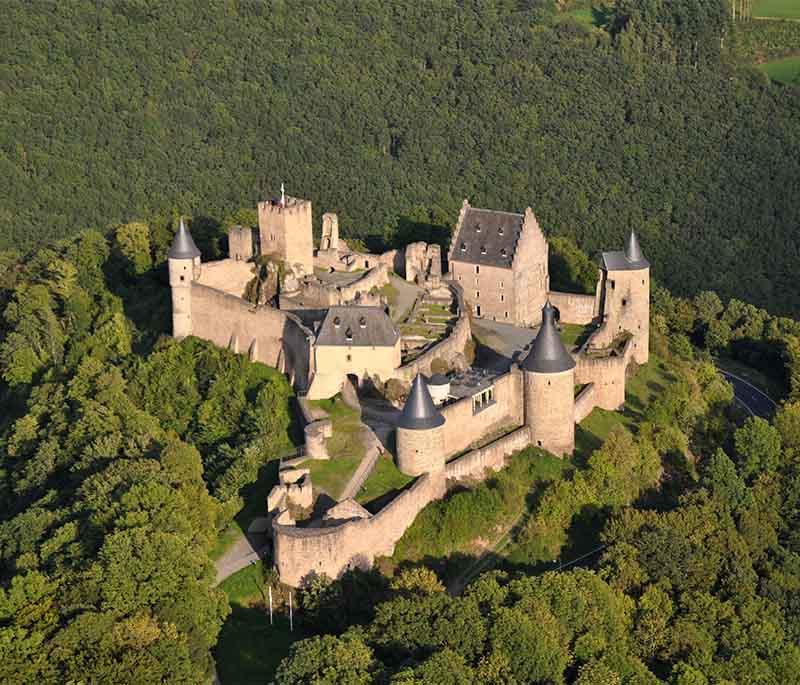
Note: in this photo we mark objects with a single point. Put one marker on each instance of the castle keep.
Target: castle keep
(323, 318)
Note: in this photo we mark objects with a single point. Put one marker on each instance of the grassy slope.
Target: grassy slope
(786, 70)
(777, 9)
(385, 481)
(249, 649)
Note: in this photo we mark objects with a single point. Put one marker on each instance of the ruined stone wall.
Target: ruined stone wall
(449, 349)
(531, 272)
(584, 403)
(463, 428)
(573, 308)
(488, 290)
(376, 277)
(228, 275)
(240, 243)
(302, 552)
(606, 373)
(476, 464)
(266, 334)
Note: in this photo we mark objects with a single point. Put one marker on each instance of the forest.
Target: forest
(391, 113)
(125, 455)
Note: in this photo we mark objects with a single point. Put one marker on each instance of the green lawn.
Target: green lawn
(249, 648)
(574, 334)
(385, 481)
(332, 475)
(778, 9)
(786, 70)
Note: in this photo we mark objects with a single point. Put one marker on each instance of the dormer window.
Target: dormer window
(337, 322)
(483, 249)
(348, 335)
(362, 322)
(463, 247)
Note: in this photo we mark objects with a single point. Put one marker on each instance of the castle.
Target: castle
(335, 336)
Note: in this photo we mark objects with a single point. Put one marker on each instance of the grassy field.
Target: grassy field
(574, 335)
(383, 483)
(332, 475)
(777, 9)
(786, 70)
(249, 648)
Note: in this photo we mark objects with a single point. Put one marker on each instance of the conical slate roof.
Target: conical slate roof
(633, 252)
(183, 246)
(548, 354)
(419, 412)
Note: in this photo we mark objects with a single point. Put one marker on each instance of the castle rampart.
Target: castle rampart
(476, 464)
(585, 402)
(574, 308)
(607, 373)
(268, 335)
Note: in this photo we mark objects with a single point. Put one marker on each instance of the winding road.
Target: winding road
(756, 402)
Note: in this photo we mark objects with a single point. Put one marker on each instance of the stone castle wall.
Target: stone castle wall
(550, 410)
(302, 552)
(476, 464)
(267, 335)
(573, 308)
(240, 243)
(228, 275)
(584, 403)
(420, 451)
(606, 373)
(489, 291)
(626, 307)
(531, 272)
(463, 427)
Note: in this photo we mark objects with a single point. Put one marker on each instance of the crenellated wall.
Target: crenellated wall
(607, 373)
(476, 464)
(464, 428)
(573, 308)
(302, 552)
(266, 334)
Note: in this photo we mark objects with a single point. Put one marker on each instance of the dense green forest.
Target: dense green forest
(391, 113)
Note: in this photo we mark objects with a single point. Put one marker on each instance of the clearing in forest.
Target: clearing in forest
(786, 70)
(777, 9)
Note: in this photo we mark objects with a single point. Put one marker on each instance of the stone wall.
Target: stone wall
(531, 272)
(489, 290)
(573, 308)
(476, 464)
(448, 349)
(285, 231)
(584, 403)
(607, 373)
(266, 334)
(625, 297)
(463, 428)
(302, 552)
(240, 243)
(228, 275)
(550, 410)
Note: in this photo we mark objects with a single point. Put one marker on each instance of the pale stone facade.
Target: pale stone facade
(550, 410)
(284, 228)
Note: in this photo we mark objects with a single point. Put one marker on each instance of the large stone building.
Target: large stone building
(500, 260)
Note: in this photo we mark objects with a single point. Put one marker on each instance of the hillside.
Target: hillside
(390, 114)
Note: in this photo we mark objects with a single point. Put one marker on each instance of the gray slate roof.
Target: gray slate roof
(487, 237)
(183, 246)
(630, 259)
(357, 327)
(548, 354)
(419, 412)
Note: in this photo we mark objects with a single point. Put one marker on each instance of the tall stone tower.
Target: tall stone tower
(284, 226)
(420, 432)
(624, 298)
(184, 266)
(549, 372)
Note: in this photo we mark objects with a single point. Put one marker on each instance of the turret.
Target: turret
(420, 432)
(549, 372)
(184, 264)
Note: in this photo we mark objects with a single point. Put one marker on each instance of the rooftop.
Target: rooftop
(471, 381)
(629, 259)
(419, 412)
(183, 246)
(487, 237)
(355, 326)
(548, 354)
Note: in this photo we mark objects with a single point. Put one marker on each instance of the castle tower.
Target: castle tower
(549, 372)
(284, 226)
(184, 263)
(624, 293)
(420, 432)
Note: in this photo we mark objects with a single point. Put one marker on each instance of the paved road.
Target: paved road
(246, 550)
(749, 396)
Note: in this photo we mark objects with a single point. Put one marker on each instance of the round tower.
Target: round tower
(638, 316)
(420, 432)
(549, 373)
(184, 261)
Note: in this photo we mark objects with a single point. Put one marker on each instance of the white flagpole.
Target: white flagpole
(270, 604)
(291, 623)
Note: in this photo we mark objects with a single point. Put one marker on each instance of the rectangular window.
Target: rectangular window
(501, 285)
(506, 314)
(349, 357)
(477, 269)
(477, 294)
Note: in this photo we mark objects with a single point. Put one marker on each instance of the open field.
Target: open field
(786, 70)
(777, 9)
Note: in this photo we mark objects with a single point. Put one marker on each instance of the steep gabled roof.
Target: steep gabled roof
(356, 326)
(183, 246)
(487, 237)
(419, 412)
(548, 354)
